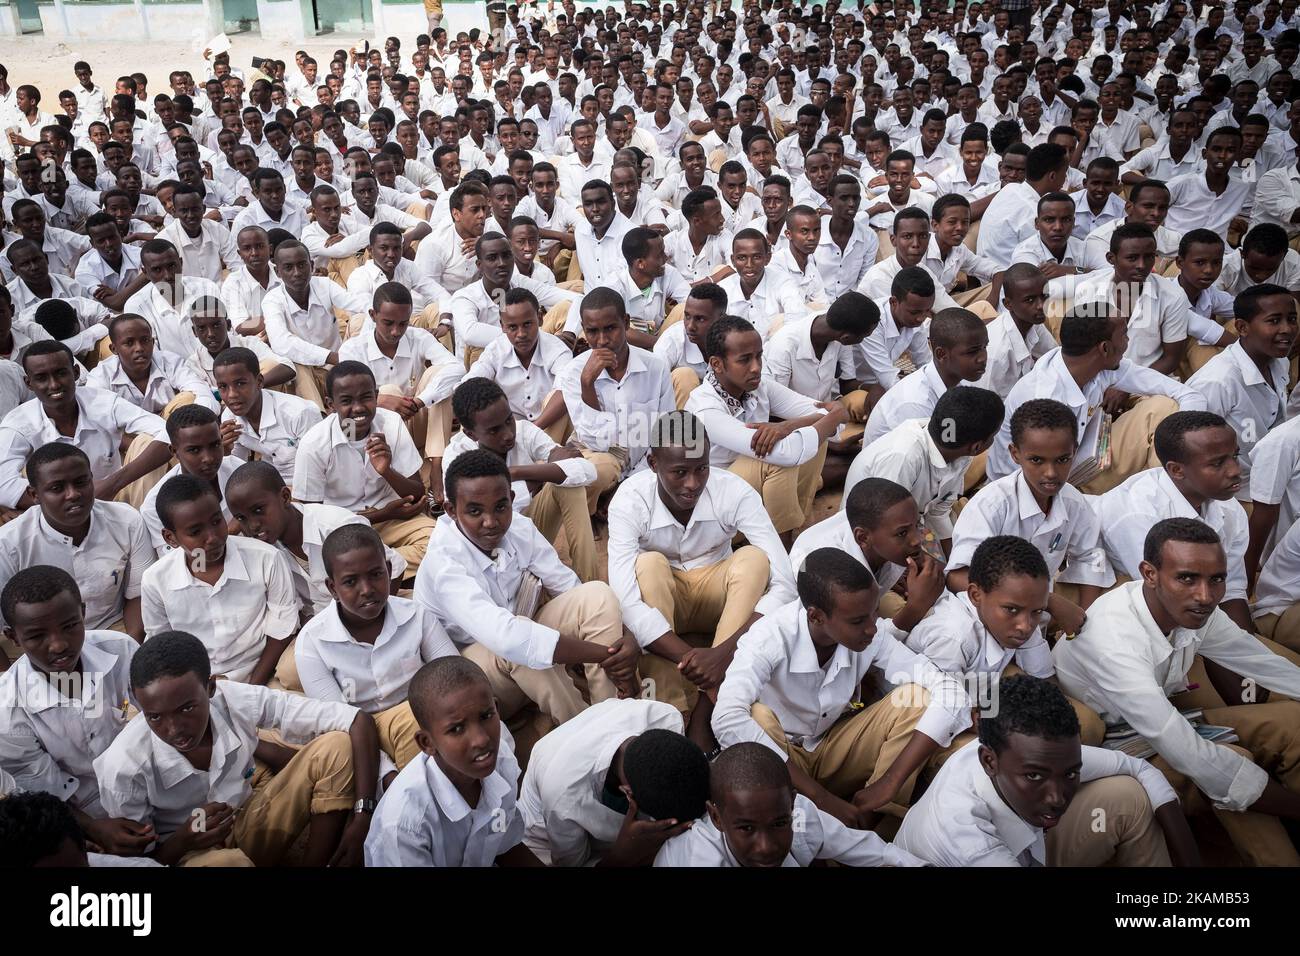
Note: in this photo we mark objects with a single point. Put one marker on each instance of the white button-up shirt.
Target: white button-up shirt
(1279, 579)
(957, 642)
(908, 455)
(1097, 246)
(373, 677)
(886, 344)
(331, 469)
(1011, 355)
(143, 778)
(1130, 510)
(776, 665)
(790, 360)
(1156, 319)
(243, 296)
(1235, 388)
(526, 388)
(818, 837)
(108, 565)
(774, 295)
(565, 822)
(283, 424)
(532, 447)
(730, 436)
(1069, 530)
(306, 336)
(252, 600)
(169, 375)
(1235, 280)
(628, 407)
(473, 594)
(1050, 378)
(562, 218)
(1124, 668)
(913, 397)
(103, 420)
(843, 269)
(365, 279)
(1277, 197)
(93, 271)
(53, 726)
(1008, 220)
(639, 522)
(292, 219)
(476, 312)
(807, 279)
(962, 820)
(1193, 205)
(417, 350)
(207, 253)
(318, 521)
(171, 326)
(1157, 162)
(1275, 476)
(835, 532)
(693, 265)
(423, 820)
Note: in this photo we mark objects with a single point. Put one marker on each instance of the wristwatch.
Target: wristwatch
(364, 806)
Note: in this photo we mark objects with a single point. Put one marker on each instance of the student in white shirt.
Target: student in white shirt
(1148, 203)
(1274, 609)
(480, 587)
(211, 325)
(902, 328)
(361, 457)
(755, 291)
(781, 461)
(64, 701)
(257, 420)
(206, 247)
(235, 592)
(144, 375)
(681, 344)
(526, 362)
(614, 392)
(593, 774)
(163, 767)
(1198, 477)
(365, 647)
(548, 480)
(1018, 336)
(1134, 661)
(930, 456)
(796, 676)
(455, 804)
(103, 543)
(672, 564)
(1247, 383)
(386, 264)
(415, 373)
(959, 346)
(756, 819)
(1028, 793)
(93, 420)
(1079, 374)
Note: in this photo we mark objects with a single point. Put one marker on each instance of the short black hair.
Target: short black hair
(854, 313)
(870, 499)
(170, 654)
(190, 416)
(715, 343)
(668, 774)
(1044, 413)
(965, 414)
(36, 585)
(1249, 303)
(1267, 238)
(261, 473)
(438, 678)
(1031, 706)
(1085, 327)
(1186, 530)
(176, 491)
(1003, 555)
(953, 326)
(48, 454)
(912, 280)
(1044, 159)
(1171, 434)
(344, 369)
(748, 766)
(677, 429)
(34, 826)
(1199, 236)
(472, 396)
(47, 347)
(237, 355)
(473, 464)
(349, 537)
(827, 570)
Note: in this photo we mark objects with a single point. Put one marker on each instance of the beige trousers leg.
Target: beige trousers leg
(787, 491)
(609, 467)
(309, 383)
(1132, 442)
(409, 537)
(861, 747)
(397, 727)
(1110, 822)
(317, 780)
(589, 612)
(1282, 628)
(554, 508)
(685, 381)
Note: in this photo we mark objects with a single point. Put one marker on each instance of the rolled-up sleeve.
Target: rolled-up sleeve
(948, 712)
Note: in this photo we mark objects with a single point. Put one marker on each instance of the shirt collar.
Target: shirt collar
(1013, 831)
(170, 763)
(396, 614)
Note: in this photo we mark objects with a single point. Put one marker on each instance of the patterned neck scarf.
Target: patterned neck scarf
(735, 406)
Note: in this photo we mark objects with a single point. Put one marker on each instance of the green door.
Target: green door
(343, 16)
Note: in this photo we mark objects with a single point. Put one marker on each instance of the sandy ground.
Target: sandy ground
(47, 63)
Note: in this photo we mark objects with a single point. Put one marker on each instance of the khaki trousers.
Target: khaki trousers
(554, 508)
(397, 727)
(317, 780)
(861, 746)
(431, 426)
(719, 598)
(1282, 628)
(1110, 822)
(309, 383)
(589, 612)
(609, 468)
(685, 381)
(787, 491)
(409, 537)
(1132, 442)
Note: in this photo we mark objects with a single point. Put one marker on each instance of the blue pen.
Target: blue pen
(1055, 542)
